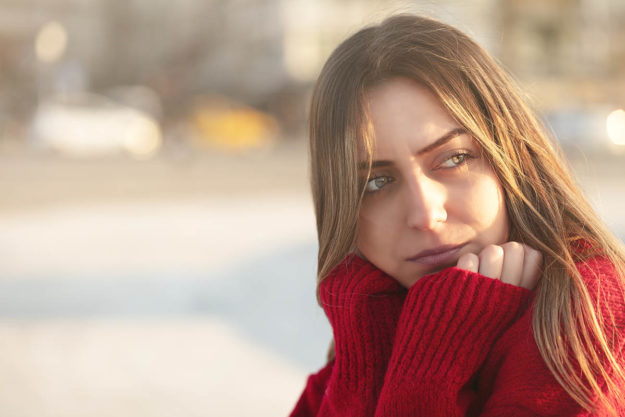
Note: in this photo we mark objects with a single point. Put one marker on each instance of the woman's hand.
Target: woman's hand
(511, 262)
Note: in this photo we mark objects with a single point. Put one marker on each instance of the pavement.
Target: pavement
(179, 286)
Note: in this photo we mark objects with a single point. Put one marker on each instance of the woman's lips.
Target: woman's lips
(436, 256)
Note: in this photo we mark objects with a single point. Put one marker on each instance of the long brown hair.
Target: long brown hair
(545, 207)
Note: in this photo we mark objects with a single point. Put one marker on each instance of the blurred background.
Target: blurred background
(157, 242)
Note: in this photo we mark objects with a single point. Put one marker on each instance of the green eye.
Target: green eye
(455, 160)
(377, 183)
(458, 159)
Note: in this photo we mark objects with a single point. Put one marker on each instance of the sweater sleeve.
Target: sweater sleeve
(523, 385)
(363, 306)
(449, 322)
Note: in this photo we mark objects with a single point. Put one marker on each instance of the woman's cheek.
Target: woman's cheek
(375, 231)
(488, 209)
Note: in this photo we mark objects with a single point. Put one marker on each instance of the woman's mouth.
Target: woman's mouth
(436, 256)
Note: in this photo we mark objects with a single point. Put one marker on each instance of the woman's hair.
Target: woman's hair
(545, 207)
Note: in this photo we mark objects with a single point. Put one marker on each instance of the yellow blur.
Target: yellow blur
(228, 125)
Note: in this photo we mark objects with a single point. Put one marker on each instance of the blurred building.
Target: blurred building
(570, 50)
(267, 53)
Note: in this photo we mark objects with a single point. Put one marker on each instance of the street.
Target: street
(170, 288)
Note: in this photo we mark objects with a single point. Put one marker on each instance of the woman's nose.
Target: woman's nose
(425, 203)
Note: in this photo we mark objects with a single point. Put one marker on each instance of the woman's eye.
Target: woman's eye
(455, 160)
(376, 184)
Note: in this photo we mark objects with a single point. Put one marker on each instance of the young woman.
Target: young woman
(461, 268)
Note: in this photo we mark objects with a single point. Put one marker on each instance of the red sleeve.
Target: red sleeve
(449, 322)
(463, 346)
(523, 385)
(363, 306)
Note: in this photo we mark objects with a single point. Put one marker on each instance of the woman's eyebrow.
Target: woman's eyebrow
(442, 140)
(374, 164)
(437, 143)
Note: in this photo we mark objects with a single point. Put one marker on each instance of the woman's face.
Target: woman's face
(431, 196)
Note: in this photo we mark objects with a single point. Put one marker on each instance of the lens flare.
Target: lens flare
(51, 42)
(615, 124)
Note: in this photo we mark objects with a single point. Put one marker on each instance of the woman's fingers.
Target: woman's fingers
(513, 263)
(491, 261)
(469, 261)
(532, 268)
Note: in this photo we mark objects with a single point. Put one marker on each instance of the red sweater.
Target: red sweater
(456, 343)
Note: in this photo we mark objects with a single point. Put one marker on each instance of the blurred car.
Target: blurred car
(85, 125)
(223, 123)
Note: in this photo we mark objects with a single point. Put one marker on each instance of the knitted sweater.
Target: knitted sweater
(456, 343)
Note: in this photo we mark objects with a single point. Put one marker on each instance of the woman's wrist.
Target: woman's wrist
(450, 321)
(448, 324)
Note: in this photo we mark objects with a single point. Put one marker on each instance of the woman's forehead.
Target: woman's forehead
(402, 112)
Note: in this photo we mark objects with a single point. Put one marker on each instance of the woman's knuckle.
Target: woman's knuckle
(514, 249)
(491, 251)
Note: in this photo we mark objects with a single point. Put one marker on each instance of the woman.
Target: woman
(460, 267)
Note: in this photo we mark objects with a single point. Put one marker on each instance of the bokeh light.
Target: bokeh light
(615, 125)
(51, 42)
(142, 138)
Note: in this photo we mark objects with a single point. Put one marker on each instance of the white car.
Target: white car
(91, 125)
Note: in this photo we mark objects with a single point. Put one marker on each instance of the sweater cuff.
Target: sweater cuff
(449, 322)
(363, 305)
(356, 277)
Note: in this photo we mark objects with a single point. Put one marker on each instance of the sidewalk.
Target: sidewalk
(170, 288)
